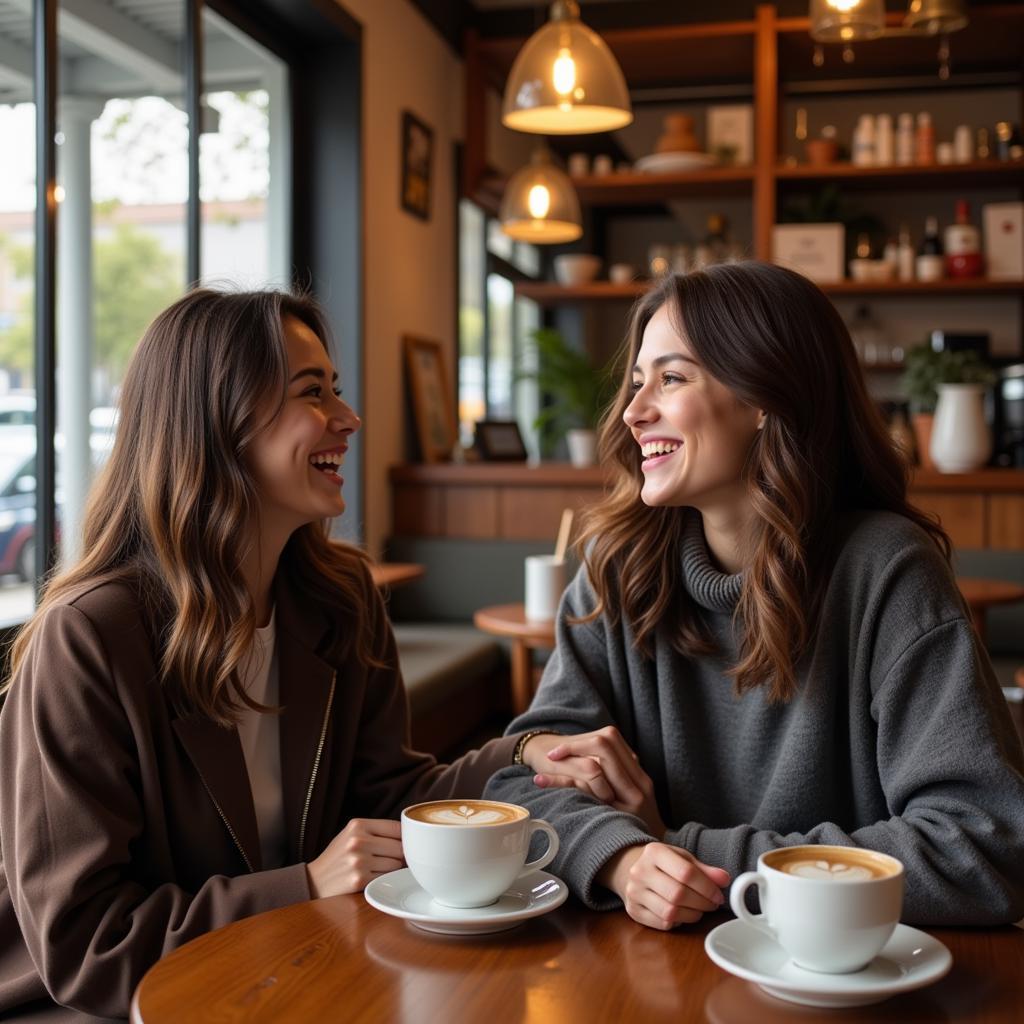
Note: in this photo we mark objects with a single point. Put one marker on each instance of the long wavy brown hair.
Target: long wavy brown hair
(778, 344)
(173, 511)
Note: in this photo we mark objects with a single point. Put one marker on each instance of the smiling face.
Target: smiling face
(296, 459)
(694, 433)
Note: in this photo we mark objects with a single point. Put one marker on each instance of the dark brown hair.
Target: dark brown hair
(171, 512)
(778, 344)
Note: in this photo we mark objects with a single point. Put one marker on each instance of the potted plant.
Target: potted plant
(574, 393)
(927, 375)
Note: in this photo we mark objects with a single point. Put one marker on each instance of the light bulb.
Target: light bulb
(539, 202)
(59, 193)
(843, 5)
(563, 74)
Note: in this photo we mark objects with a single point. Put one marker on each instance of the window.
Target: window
(494, 326)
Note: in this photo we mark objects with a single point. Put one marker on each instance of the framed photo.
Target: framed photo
(500, 441)
(431, 399)
(814, 250)
(730, 134)
(417, 157)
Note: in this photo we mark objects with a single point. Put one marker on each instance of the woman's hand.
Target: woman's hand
(362, 850)
(600, 763)
(663, 886)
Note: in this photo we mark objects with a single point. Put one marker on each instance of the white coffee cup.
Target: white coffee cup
(831, 908)
(466, 853)
(621, 273)
(545, 582)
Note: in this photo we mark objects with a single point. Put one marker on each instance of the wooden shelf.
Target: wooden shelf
(549, 293)
(978, 174)
(634, 187)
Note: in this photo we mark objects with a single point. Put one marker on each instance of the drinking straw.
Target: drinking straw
(564, 529)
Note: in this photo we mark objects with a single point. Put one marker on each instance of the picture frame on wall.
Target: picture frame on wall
(500, 441)
(417, 160)
(432, 404)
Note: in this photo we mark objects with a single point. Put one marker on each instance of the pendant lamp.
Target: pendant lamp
(935, 17)
(540, 204)
(846, 21)
(565, 81)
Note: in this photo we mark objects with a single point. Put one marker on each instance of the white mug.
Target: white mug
(823, 922)
(545, 581)
(472, 861)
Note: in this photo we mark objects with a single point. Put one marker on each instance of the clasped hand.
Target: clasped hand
(600, 763)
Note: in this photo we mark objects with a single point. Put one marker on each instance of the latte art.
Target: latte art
(825, 871)
(466, 812)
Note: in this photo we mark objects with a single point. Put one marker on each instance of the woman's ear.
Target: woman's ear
(762, 416)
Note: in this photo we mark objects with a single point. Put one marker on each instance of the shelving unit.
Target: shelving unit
(768, 58)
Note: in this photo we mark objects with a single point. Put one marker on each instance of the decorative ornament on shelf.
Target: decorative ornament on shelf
(565, 80)
(850, 21)
(540, 204)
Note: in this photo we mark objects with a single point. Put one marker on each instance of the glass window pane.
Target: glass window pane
(244, 156)
(500, 297)
(472, 401)
(526, 258)
(527, 394)
(17, 324)
(122, 165)
(498, 242)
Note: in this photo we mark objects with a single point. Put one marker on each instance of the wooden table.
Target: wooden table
(981, 595)
(341, 960)
(395, 574)
(509, 620)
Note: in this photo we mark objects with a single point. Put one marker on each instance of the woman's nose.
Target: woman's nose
(638, 411)
(345, 420)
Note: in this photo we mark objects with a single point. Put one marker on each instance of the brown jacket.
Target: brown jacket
(126, 830)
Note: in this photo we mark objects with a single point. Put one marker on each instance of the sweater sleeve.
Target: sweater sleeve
(952, 771)
(575, 695)
(70, 815)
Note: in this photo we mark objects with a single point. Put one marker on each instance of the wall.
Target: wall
(409, 263)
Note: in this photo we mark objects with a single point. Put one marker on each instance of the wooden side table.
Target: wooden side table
(981, 595)
(509, 620)
(395, 574)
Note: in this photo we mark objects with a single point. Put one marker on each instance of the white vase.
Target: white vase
(582, 447)
(961, 440)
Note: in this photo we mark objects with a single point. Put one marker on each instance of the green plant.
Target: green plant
(926, 369)
(573, 390)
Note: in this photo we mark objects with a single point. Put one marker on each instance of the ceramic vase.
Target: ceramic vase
(582, 447)
(961, 440)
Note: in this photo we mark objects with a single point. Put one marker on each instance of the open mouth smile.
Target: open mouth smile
(329, 462)
(656, 452)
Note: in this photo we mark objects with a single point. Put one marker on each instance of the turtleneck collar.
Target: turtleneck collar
(711, 589)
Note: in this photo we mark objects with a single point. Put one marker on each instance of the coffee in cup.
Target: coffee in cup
(466, 853)
(831, 908)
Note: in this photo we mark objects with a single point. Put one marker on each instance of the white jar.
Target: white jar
(963, 144)
(961, 440)
(864, 141)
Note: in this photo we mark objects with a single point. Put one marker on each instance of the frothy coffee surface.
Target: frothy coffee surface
(466, 812)
(832, 864)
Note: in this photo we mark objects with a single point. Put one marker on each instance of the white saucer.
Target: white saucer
(671, 163)
(909, 960)
(397, 893)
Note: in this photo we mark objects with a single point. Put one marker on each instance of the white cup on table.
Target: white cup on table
(545, 581)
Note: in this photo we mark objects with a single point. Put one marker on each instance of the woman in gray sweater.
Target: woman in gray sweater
(772, 627)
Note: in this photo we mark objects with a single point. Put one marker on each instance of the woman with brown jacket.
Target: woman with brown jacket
(205, 718)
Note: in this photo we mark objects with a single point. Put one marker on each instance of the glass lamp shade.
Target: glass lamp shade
(565, 81)
(540, 204)
(846, 21)
(935, 16)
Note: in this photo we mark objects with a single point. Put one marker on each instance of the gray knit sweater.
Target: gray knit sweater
(898, 739)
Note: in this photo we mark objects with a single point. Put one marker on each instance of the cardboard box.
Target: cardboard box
(731, 128)
(1002, 228)
(814, 250)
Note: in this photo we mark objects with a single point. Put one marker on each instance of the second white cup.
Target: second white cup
(545, 581)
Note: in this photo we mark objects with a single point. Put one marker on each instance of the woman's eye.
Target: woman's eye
(636, 385)
(672, 378)
(313, 392)
(337, 392)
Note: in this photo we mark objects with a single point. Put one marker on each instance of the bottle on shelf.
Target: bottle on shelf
(863, 150)
(885, 141)
(716, 240)
(866, 335)
(924, 139)
(905, 140)
(863, 246)
(904, 255)
(962, 244)
(930, 264)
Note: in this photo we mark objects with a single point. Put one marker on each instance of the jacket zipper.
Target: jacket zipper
(316, 766)
(227, 824)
